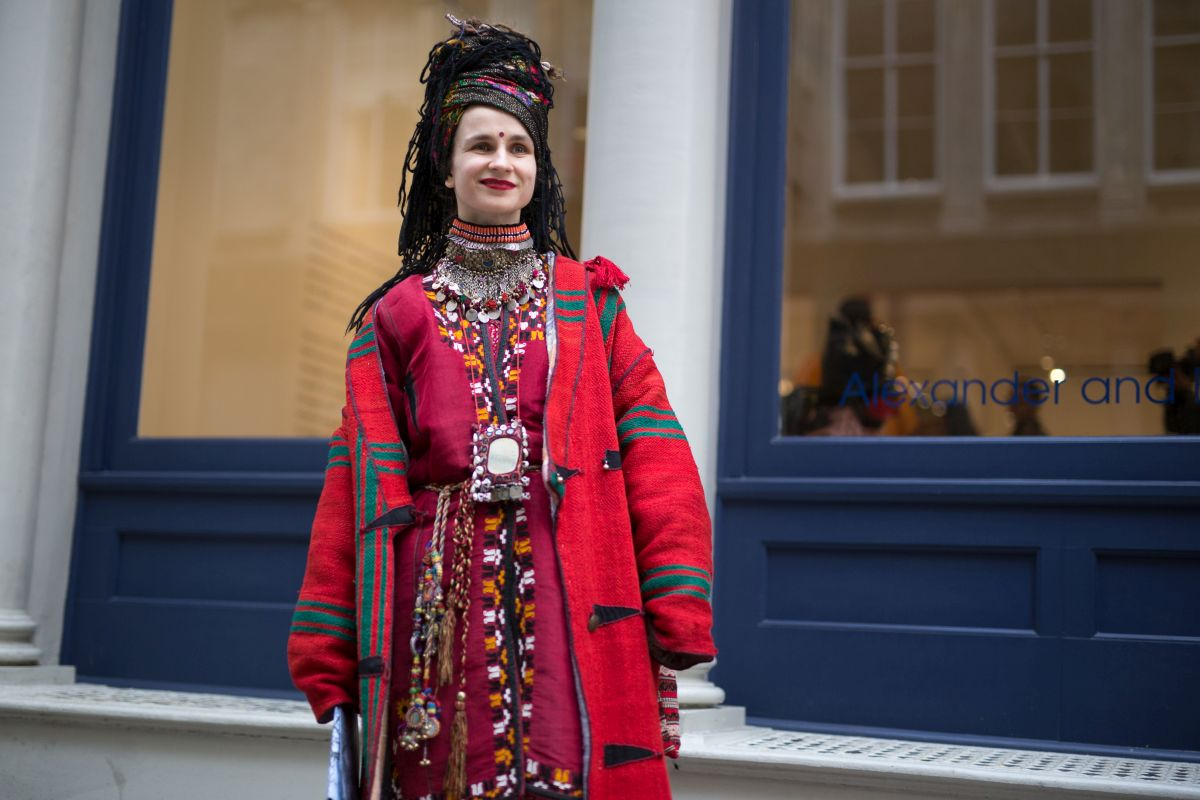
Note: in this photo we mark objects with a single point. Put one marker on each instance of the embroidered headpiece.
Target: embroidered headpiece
(479, 64)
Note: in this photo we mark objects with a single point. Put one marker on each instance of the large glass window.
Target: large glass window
(887, 98)
(285, 131)
(1175, 104)
(1041, 88)
(1037, 310)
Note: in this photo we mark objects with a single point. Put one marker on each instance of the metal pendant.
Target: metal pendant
(500, 458)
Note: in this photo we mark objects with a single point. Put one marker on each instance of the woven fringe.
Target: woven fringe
(445, 654)
(456, 766)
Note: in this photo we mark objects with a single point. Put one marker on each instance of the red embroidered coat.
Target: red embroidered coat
(631, 529)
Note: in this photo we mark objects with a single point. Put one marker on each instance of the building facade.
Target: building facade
(199, 193)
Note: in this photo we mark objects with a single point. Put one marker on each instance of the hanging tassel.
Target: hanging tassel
(605, 273)
(445, 654)
(456, 766)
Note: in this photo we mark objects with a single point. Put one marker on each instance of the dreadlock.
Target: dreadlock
(480, 63)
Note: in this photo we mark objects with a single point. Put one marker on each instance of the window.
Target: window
(1040, 93)
(1174, 91)
(930, 585)
(284, 137)
(887, 98)
(1045, 320)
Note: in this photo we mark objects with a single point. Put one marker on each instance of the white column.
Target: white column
(654, 199)
(961, 125)
(55, 524)
(40, 50)
(1121, 57)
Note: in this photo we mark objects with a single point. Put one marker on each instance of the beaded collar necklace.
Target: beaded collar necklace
(486, 269)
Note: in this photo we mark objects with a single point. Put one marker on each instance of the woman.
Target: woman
(512, 549)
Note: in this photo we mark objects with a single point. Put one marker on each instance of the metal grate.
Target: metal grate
(1026, 761)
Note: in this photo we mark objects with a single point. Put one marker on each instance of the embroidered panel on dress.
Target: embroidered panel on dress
(507, 569)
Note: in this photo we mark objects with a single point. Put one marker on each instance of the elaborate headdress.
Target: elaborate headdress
(479, 64)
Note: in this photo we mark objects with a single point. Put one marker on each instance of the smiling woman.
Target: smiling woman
(507, 464)
(493, 168)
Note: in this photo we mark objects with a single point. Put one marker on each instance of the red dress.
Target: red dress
(524, 729)
(630, 537)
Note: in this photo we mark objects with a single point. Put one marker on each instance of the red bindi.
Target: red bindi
(501, 134)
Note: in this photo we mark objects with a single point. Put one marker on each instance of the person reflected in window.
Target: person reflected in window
(512, 551)
(859, 358)
(1025, 406)
(1181, 409)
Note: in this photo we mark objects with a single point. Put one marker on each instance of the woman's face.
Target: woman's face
(492, 167)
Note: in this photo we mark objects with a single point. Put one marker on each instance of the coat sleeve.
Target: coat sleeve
(671, 528)
(321, 646)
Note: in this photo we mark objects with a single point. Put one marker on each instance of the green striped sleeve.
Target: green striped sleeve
(649, 421)
(336, 634)
(677, 579)
(325, 619)
(318, 605)
(339, 454)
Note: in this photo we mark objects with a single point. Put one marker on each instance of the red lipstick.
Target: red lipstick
(497, 183)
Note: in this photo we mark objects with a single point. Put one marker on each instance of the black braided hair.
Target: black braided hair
(428, 206)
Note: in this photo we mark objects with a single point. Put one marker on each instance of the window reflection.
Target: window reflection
(285, 130)
(1033, 274)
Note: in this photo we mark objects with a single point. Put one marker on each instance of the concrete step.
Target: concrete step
(89, 742)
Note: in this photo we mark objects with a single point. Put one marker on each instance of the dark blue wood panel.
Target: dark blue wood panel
(1000, 686)
(188, 567)
(220, 647)
(1148, 594)
(1137, 692)
(916, 586)
(947, 618)
(188, 589)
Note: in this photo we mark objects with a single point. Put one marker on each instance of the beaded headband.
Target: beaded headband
(511, 86)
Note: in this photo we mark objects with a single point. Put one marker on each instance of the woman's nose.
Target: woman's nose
(500, 159)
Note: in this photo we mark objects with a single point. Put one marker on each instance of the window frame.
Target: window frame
(1155, 176)
(1041, 49)
(888, 62)
(754, 460)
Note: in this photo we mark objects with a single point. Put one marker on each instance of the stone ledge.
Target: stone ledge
(142, 708)
(715, 745)
(920, 769)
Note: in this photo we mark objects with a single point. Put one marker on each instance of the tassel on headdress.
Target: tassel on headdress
(478, 64)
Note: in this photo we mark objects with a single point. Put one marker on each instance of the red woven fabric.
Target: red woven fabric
(631, 531)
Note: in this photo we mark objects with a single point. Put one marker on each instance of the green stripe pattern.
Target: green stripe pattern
(609, 304)
(364, 342)
(339, 454)
(390, 457)
(680, 579)
(325, 619)
(641, 422)
(569, 305)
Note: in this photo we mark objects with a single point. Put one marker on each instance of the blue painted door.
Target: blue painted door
(188, 552)
(1037, 592)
